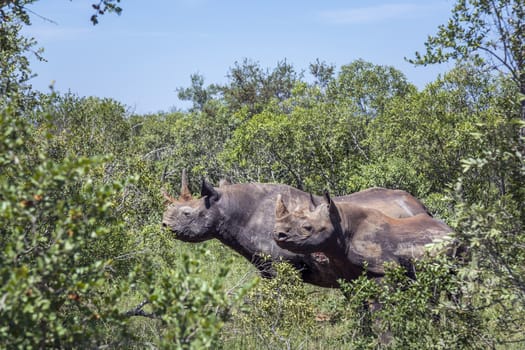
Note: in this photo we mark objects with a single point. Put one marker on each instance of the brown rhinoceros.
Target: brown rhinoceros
(354, 237)
(242, 216)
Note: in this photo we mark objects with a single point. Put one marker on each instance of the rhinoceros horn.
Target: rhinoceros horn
(185, 194)
(280, 208)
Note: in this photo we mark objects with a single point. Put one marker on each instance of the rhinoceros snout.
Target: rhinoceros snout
(280, 236)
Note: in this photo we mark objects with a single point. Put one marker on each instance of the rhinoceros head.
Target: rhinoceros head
(305, 230)
(192, 219)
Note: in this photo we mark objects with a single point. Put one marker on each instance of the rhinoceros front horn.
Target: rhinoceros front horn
(280, 208)
(185, 193)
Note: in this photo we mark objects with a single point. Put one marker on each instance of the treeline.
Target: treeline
(85, 264)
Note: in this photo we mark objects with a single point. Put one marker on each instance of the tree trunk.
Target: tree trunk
(522, 99)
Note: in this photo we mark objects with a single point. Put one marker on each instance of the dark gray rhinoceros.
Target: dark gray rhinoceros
(242, 216)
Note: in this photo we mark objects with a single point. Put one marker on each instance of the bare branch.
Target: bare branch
(511, 69)
(156, 152)
(138, 311)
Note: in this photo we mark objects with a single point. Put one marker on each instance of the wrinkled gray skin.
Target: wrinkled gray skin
(351, 235)
(242, 216)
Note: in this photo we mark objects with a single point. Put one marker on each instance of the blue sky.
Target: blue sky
(141, 57)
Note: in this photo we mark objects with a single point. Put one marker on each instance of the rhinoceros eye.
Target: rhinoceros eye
(186, 211)
(307, 227)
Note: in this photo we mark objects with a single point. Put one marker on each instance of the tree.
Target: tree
(72, 256)
(103, 7)
(252, 87)
(315, 138)
(493, 30)
(199, 95)
(19, 9)
(322, 72)
(54, 261)
(87, 126)
(489, 197)
(15, 50)
(368, 86)
(312, 148)
(418, 142)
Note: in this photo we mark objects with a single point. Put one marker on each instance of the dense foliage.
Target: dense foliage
(84, 263)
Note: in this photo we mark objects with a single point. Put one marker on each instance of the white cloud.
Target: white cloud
(378, 13)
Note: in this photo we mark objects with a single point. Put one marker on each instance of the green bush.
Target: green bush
(276, 313)
(398, 312)
(53, 215)
(64, 242)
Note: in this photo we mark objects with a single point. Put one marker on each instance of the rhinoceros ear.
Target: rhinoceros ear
(168, 199)
(280, 208)
(208, 191)
(332, 208)
(326, 196)
(224, 182)
(185, 194)
(165, 194)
